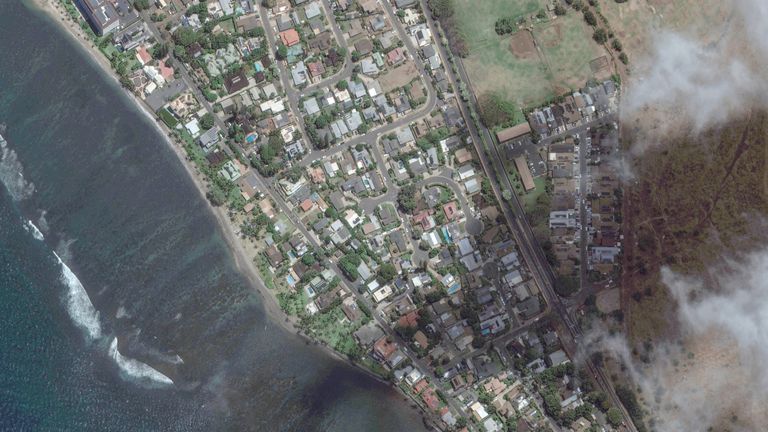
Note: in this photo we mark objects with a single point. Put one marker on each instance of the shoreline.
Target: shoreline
(243, 264)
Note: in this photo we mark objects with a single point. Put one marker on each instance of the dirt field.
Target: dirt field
(522, 46)
(398, 77)
(635, 22)
(531, 65)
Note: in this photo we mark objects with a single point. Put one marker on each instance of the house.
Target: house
(209, 139)
(316, 69)
(311, 106)
(368, 66)
(321, 42)
(368, 334)
(465, 172)
(337, 201)
(369, 6)
(299, 73)
(384, 349)
(289, 37)
(236, 82)
(274, 256)
(312, 10)
(395, 56)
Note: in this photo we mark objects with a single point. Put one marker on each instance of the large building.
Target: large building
(101, 15)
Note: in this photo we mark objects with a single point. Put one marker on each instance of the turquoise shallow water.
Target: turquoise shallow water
(144, 261)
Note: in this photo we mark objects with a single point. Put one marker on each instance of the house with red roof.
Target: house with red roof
(451, 210)
(409, 320)
(430, 399)
(143, 55)
(289, 37)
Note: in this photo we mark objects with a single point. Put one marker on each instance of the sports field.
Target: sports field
(531, 65)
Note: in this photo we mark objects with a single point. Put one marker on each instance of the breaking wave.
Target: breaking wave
(30, 227)
(135, 368)
(79, 305)
(12, 175)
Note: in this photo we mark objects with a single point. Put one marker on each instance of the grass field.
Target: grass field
(511, 65)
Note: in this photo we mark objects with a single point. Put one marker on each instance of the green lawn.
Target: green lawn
(334, 329)
(167, 118)
(561, 63)
(568, 48)
(529, 199)
(266, 275)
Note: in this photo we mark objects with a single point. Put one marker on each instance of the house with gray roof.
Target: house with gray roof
(312, 10)
(356, 89)
(353, 120)
(209, 139)
(368, 66)
(339, 129)
(311, 106)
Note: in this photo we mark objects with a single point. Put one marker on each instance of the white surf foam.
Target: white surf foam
(35, 232)
(135, 368)
(79, 306)
(12, 174)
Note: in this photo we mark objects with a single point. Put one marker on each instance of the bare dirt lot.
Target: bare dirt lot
(398, 77)
(522, 46)
(637, 21)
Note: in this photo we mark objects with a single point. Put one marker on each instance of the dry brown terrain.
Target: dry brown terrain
(694, 200)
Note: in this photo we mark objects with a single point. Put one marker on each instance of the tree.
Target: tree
(600, 36)
(206, 121)
(441, 8)
(185, 36)
(141, 5)
(624, 59)
(589, 17)
(282, 52)
(216, 196)
(493, 111)
(387, 272)
(342, 85)
(614, 417)
(559, 10)
(617, 45)
(566, 285)
(406, 198)
(504, 26)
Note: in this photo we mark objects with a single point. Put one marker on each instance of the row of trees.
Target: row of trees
(443, 11)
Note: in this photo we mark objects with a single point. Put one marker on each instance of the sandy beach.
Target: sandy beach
(239, 247)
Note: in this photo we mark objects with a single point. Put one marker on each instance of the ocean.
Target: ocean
(103, 235)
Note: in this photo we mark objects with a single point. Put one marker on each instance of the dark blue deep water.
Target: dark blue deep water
(115, 204)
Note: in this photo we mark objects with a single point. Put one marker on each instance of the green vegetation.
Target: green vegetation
(349, 263)
(406, 198)
(566, 286)
(167, 118)
(614, 417)
(332, 328)
(269, 159)
(629, 400)
(530, 66)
